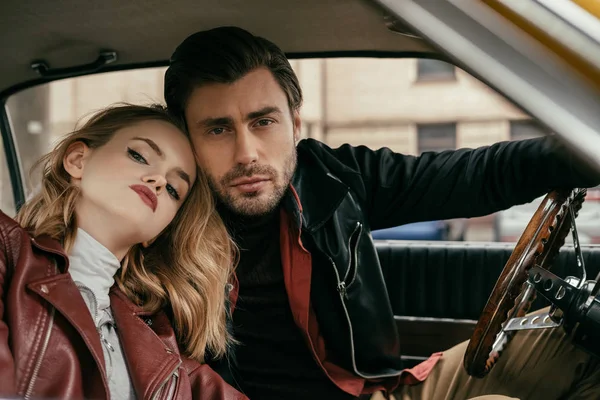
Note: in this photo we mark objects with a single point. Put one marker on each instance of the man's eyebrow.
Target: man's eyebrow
(150, 143)
(228, 121)
(185, 176)
(264, 111)
(207, 122)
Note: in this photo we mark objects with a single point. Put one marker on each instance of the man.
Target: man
(310, 309)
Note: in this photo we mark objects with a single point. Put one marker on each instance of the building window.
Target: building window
(436, 137)
(429, 70)
(526, 129)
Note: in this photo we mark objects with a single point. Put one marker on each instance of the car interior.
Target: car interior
(438, 288)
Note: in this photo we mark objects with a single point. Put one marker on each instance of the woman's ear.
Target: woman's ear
(74, 160)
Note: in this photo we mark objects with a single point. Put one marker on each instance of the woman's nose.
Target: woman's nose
(157, 181)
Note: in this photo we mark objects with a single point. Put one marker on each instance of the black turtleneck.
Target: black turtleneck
(272, 360)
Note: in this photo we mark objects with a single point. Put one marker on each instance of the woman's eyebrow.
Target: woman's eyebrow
(150, 143)
(184, 175)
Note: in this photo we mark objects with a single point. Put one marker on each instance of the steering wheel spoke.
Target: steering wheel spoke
(553, 288)
(540, 321)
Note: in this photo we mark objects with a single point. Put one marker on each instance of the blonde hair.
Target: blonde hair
(187, 267)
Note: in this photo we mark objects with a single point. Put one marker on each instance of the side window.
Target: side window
(7, 202)
(408, 105)
(413, 106)
(29, 114)
(41, 115)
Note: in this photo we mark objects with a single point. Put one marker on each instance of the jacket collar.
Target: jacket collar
(49, 245)
(314, 194)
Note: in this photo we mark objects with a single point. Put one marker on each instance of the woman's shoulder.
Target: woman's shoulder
(8, 224)
(12, 236)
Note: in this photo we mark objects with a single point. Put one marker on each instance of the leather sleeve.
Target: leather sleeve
(399, 189)
(7, 365)
(208, 385)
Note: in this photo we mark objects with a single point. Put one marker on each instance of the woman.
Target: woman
(113, 277)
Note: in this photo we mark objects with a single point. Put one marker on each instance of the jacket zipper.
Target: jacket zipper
(172, 386)
(341, 287)
(172, 381)
(38, 363)
(342, 290)
(95, 301)
(352, 262)
(103, 338)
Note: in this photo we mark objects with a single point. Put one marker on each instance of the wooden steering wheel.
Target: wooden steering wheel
(538, 245)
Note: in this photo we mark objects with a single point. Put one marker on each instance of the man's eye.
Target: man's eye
(172, 192)
(217, 131)
(264, 122)
(136, 156)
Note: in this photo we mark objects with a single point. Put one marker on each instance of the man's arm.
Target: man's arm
(399, 189)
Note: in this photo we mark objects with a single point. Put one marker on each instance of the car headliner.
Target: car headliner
(67, 33)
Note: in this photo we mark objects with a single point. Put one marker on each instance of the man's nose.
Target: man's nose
(245, 148)
(157, 181)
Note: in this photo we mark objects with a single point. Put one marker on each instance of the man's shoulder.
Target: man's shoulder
(312, 145)
(340, 158)
(318, 164)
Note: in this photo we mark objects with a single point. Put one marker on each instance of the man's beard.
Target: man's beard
(252, 203)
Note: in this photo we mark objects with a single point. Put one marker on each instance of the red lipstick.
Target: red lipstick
(147, 195)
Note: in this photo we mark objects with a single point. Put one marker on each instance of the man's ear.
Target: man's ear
(297, 125)
(74, 160)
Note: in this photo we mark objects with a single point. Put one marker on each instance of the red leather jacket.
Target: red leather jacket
(49, 346)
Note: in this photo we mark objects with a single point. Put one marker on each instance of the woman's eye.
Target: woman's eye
(136, 156)
(172, 192)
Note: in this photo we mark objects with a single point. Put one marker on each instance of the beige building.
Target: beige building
(408, 105)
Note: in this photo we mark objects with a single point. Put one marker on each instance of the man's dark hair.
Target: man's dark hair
(224, 55)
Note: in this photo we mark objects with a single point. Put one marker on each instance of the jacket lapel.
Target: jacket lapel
(150, 359)
(307, 200)
(60, 291)
(152, 354)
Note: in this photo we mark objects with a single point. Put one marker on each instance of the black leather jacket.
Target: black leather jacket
(347, 192)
